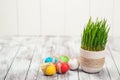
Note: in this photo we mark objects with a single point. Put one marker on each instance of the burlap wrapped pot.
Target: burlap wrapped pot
(92, 61)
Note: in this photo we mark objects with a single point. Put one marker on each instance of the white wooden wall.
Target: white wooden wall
(55, 17)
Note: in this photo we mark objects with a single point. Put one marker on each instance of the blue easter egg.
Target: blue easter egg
(50, 59)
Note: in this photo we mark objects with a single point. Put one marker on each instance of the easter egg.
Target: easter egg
(73, 63)
(64, 59)
(62, 67)
(48, 69)
(51, 59)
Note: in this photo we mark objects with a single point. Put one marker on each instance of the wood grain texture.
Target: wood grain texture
(73, 75)
(45, 52)
(20, 66)
(116, 18)
(52, 12)
(115, 57)
(63, 76)
(102, 75)
(102, 9)
(21, 58)
(28, 12)
(34, 69)
(110, 64)
(76, 16)
(83, 75)
(7, 55)
(8, 17)
(55, 17)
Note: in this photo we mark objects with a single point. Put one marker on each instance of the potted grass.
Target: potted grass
(93, 42)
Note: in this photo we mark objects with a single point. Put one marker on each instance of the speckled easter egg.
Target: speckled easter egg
(62, 67)
(73, 63)
(64, 59)
(51, 59)
(48, 69)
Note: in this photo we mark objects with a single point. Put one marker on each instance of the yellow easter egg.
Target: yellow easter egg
(48, 69)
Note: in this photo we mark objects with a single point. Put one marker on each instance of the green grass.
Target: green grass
(95, 34)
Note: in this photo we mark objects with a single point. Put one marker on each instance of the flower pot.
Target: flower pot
(92, 61)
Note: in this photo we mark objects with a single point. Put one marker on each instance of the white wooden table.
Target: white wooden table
(21, 58)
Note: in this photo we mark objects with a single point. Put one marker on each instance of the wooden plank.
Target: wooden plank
(76, 15)
(111, 65)
(105, 73)
(7, 56)
(8, 17)
(20, 66)
(36, 61)
(46, 46)
(116, 18)
(95, 77)
(4, 42)
(102, 75)
(63, 76)
(28, 17)
(99, 9)
(73, 75)
(54, 77)
(71, 45)
(27, 65)
(39, 75)
(116, 58)
(52, 12)
(83, 75)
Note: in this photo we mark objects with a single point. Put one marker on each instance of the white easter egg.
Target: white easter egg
(73, 63)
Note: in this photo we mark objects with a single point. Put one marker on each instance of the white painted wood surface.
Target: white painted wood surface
(103, 9)
(7, 55)
(76, 16)
(8, 17)
(55, 17)
(116, 17)
(20, 66)
(52, 16)
(28, 17)
(21, 58)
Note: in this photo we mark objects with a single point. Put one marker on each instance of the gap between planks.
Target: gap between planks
(19, 68)
(8, 57)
